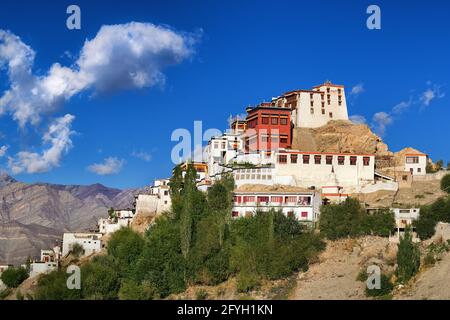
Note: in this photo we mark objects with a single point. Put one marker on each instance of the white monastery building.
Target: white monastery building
(416, 163)
(91, 242)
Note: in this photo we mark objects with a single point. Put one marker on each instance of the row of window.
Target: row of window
(248, 214)
(317, 159)
(273, 120)
(299, 200)
(252, 176)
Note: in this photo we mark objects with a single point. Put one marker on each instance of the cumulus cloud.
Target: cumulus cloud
(111, 165)
(381, 120)
(3, 150)
(431, 94)
(357, 89)
(123, 56)
(358, 119)
(58, 139)
(142, 155)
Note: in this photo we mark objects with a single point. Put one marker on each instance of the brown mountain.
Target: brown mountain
(34, 216)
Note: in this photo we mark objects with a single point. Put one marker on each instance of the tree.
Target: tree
(131, 290)
(125, 246)
(13, 277)
(425, 226)
(77, 250)
(439, 165)
(445, 183)
(100, 279)
(408, 258)
(175, 189)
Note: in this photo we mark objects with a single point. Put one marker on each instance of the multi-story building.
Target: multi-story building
(314, 108)
(156, 201)
(91, 242)
(303, 205)
(268, 128)
(416, 163)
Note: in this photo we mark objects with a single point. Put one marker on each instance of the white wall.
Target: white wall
(90, 242)
(418, 169)
(37, 268)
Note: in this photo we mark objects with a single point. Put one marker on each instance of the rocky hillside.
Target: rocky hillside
(33, 216)
(339, 136)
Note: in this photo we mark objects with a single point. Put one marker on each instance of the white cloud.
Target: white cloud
(142, 155)
(402, 106)
(431, 94)
(123, 56)
(111, 165)
(358, 119)
(357, 89)
(3, 150)
(381, 121)
(59, 141)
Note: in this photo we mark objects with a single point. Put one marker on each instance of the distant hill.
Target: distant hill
(34, 216)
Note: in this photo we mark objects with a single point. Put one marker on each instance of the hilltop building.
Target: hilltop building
(49, 261)
(91, 242)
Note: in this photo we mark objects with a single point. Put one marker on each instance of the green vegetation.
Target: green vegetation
(197, 243)
(77, 250)
(445, 183)
(408, 258)
(350, 219)
(13, 277)
(430, 215)
(385, 289)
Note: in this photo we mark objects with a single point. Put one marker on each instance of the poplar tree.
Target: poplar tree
(408, 258)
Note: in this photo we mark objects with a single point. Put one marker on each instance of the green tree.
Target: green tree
(53, 286)
(13, 277)
(130, 290)
(125, 246)
(445, 183)
(77, 250)
(100, 279)
(175, 189)
(408, 258)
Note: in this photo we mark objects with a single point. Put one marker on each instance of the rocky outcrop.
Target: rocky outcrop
(339, 136)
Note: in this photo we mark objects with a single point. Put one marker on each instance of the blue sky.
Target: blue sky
(236, 53)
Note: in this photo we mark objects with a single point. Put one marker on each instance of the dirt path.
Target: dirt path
(334, 277)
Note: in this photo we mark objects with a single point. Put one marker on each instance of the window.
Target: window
(282, 158)
(311, 110)
(304, 214)
(331, 114)
(235, 214)
(277, 199)
(412, 159)
(311, 95)
(339, 91)
(237, 199)
(405, 178)
(304, 201)
(274, 120)
(216, 145)
(419, 169)
(366, 161)
(322, 96)
(224, 144)
(312, 103)
(323, 111)
(340, 103)
(283, 140)
(329, 159)
(292, 199)
(353, 161)
(293, 158)
(329, 102)
(265, 120)
(328, 90)
(323, 104)
(306, 159)
(290, 214)
(166, 193)
(341, 160)
(283, 121)
(317, 159)
(263, 199)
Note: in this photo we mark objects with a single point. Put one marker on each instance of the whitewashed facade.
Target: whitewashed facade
(416, 164)
(304, 206)
(91, 242)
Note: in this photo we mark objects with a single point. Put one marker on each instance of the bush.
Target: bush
(408, 258)
(201, 294)
(100, 279)
(53, 286)
(77, 250)
(445, 183)
(386, 288)
(130, 290)
(13, 277)
(429, 259)
(125, 246)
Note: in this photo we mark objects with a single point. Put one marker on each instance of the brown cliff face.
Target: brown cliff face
(34, 216)
(340, 136)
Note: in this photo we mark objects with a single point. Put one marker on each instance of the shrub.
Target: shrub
(201, 294)
(130, 290)
(246, 282)
(125, 246)
(100, 279)
(53, 286)
(408, 258)
(13, 277)
(386, 288)
(77, 250)
(445, 183)
(429, 259)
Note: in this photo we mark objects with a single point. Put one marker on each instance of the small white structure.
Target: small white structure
(40, 267)
(3, 267)
(404, 217)
(304, 206)
(156, 201)
(91, 242)
(416, 163)
(122, 218)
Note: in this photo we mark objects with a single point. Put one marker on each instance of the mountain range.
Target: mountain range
(34, 216)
